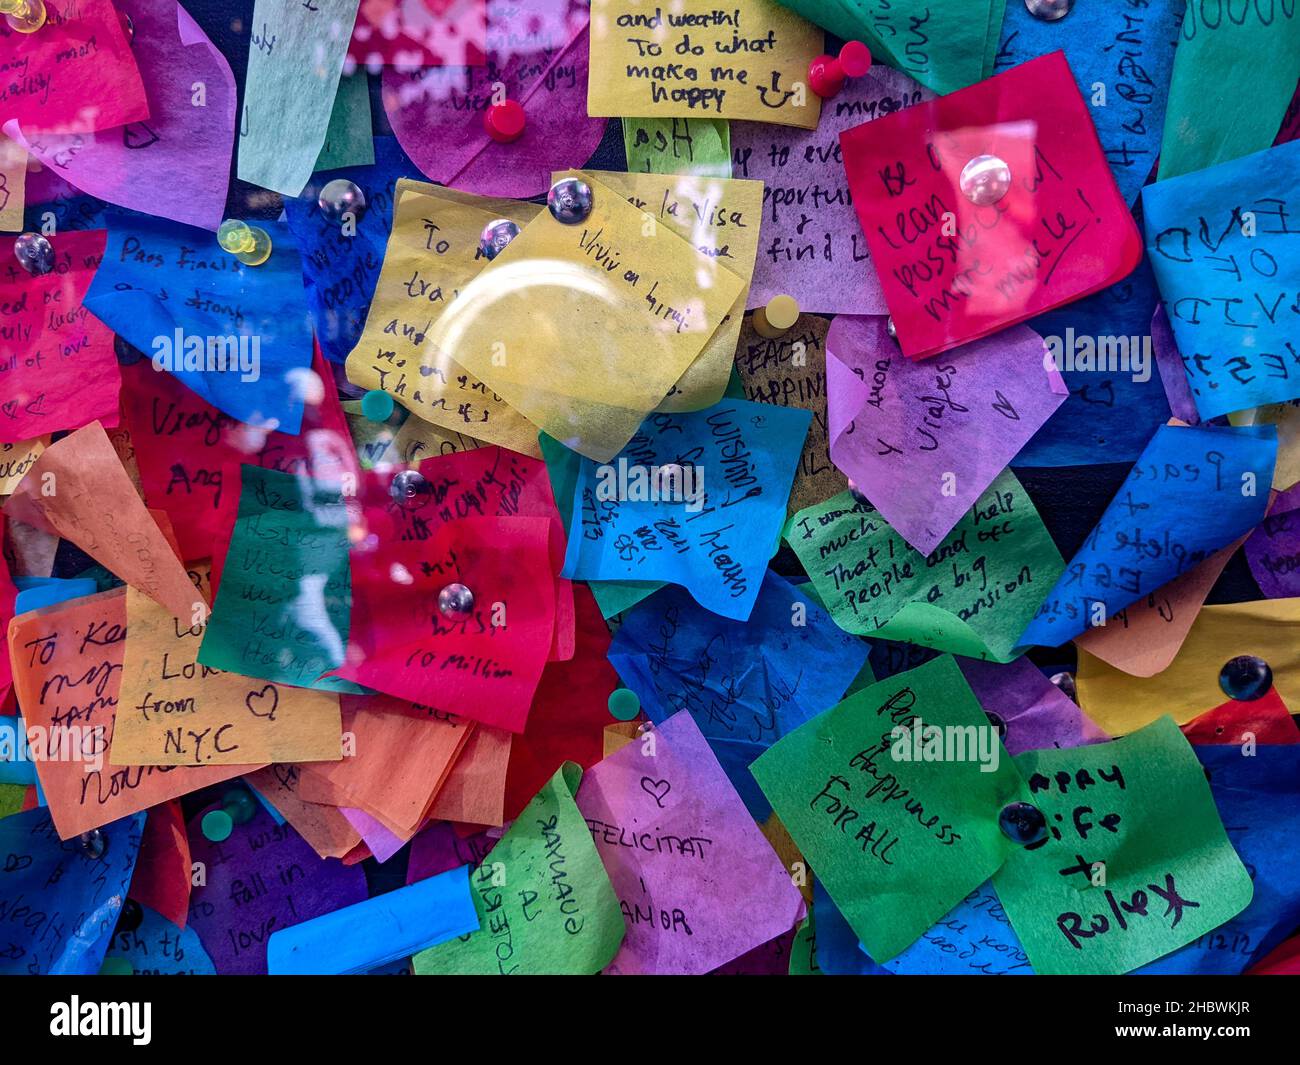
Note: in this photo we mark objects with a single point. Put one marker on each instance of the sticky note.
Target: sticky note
(188, 131)
(1272, 551)
(13, 185)
(1061, 230)
(58, 368)
(159, 948)
(348, 136)
(749, 61)
(1139, 806)
(163, 872)
(16, 459)
(923, 441)
(554, 912)
(812, 245)
(1194, 490)
(172, 711)
(974, 938)
(281, 610)
(262, 879)
(973, 595)
(539, 53)
(325, 829)
(684, 856)
(295, 58)
(1035, 712)
(714, 532)
(1241, 723)
(896, 842)
(1225, 267)
(377, 931)
(745, 684)
(409, 34)
(700, 147)
(79, 490)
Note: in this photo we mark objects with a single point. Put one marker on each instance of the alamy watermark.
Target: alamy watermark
(1099, 354)
(193, 353)
(635, 483)
(58, 743)
(919, 742)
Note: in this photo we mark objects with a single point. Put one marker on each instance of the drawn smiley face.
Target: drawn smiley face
(775, 90)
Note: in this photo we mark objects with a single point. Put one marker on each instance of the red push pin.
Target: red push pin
(855, 59)
(504, 122)
(825, 76)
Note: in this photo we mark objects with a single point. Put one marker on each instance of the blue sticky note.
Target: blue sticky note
(1225, 246)
(58, 905)
(745, 684)
(694, 499)
(37, 592)
(1102, 347)
(340, 269)
(1125, 50)
(193, 308)
(160, 948)
(16, 765)
(1259, 802)
(370, 934)
(1194, 490)
(838, 951)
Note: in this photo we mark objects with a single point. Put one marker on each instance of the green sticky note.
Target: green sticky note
(803, 951)
(973, 595)
(348, 139)
(283, 605)
(1136, 863)
(545, 904)
(897, 836)
(699, 146)
(1232, 80)
(11, 798)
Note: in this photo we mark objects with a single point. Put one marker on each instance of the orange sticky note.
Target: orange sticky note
(78, 489)
(475, 791)
(327, 831)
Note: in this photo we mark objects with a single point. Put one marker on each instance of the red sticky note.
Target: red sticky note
(162, 877)
(953, 271)
(8, 594)
(1267, 720)
(57, 365)
(76, 74)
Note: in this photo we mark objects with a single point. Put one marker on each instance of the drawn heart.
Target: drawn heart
(269, 693)
(656, 789)
(138, 135)
(10, 407)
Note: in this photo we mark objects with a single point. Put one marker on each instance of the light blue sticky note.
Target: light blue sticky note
(295, 58)
(37, 592)
(1122, 55)
(58, 905)
(1225, 246)
(746, 684)
(16, 765)
(1194, 490)
(373, 933)
(711, 523)
(838, 951)
(159, 948)
(193, 308)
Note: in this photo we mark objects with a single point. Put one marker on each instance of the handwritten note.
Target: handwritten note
(17, 459)
(812, 247)
(923, 441)
(700, 147)
(408, 34)
(157, 947)
(1228, 264)
(1061, 231)
(973, 595)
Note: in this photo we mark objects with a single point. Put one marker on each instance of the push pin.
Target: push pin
(1049, 10)
(505, 121)
(777, 318)
(496, 236)
(377, 405)
(624, 704)
(249, 244)
(409, 489)
(985, 180)
(570, 201)
(94, 844)
(859, 496)
(238, 807)
(25, 16)
(34, 253)
(1022, 823)
(827, 74)
(455, 602)
(341, 198)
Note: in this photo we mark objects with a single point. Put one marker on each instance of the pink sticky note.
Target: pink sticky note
(76, 74)
(409, 34)
(540, 53)
(811, 246)
(177, 163)
(923, 440)
(954, 269)
(698, 882)
(57, 366)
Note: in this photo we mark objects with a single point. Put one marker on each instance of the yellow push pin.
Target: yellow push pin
(249, 244)
(777, 318)
(25, 16)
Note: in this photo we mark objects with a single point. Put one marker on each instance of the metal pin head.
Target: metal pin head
(455, 602)
(341, 198)
(496, 236)
(1049, 10)
(570, 201)
(34, 253)
(985, 180)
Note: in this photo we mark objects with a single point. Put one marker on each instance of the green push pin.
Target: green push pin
(239, 805)
(377, 405)
(116, 966)
(24, 16)
(249, 244)
(624, 704)
(217, 826)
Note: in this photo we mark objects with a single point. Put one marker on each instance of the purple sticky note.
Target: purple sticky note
(383, 844)
(540, 53)
(684, 856)
(1169, 361)
(439, 848)
(1273, 550)
(924, 439)
(770, 959)
(264, 877)
(811, 245)
(177, 163)
(1037, 714)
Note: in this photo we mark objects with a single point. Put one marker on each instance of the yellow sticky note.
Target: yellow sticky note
(1286, 416)
(13, 185)
(1268, 629)
(584, 328)
(746, 59)
(721, 218)
(17, 459)
(432, 254)
(417, 440)
(173, 711)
